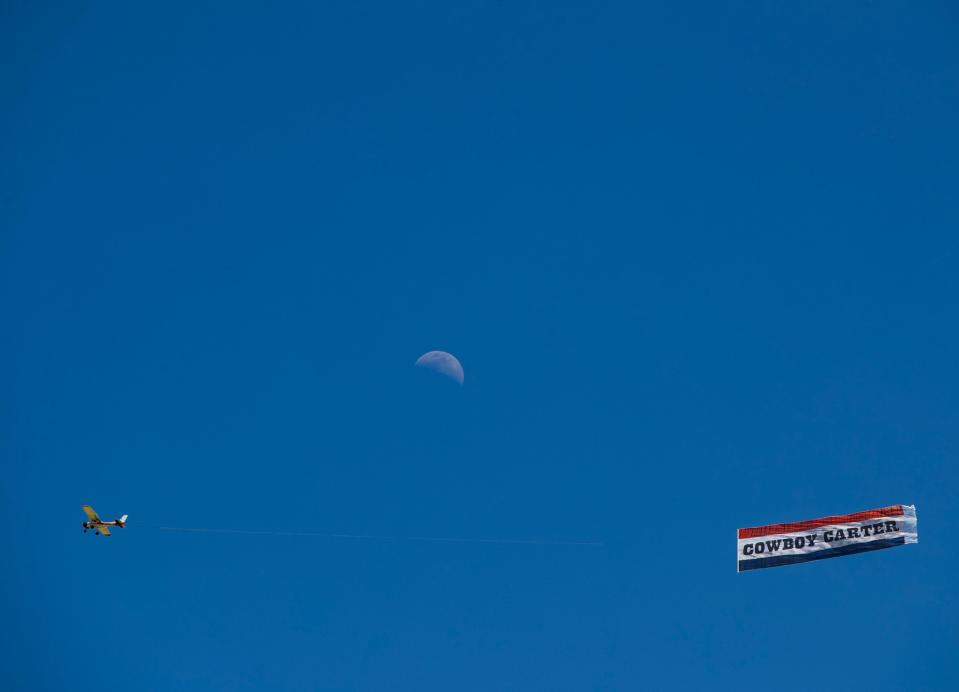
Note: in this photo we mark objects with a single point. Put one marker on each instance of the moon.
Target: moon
(443, 363)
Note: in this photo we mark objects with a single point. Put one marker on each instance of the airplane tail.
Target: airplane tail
(122, 521)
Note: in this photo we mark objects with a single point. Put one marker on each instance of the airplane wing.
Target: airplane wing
(91, 515)
(104, 530)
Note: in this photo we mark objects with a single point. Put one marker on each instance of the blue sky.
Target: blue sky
(698, 262)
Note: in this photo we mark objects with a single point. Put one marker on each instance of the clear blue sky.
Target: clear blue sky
(700, 266)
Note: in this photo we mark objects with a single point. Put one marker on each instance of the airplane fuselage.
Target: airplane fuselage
(102, 527)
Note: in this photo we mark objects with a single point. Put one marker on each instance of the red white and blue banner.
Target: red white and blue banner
(775, 545)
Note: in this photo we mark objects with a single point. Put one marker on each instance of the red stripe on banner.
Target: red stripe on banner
(773, 529)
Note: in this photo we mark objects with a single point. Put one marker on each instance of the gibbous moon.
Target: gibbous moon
(443, 363)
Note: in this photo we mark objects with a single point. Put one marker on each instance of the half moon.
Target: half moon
(443, 363)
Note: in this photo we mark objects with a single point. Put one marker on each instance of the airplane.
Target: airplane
(98, 525)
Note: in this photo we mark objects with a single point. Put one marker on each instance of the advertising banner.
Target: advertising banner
(776, 545)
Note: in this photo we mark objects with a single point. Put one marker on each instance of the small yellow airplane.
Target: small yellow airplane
(98, 525)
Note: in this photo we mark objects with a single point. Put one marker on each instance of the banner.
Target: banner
(817, 539)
